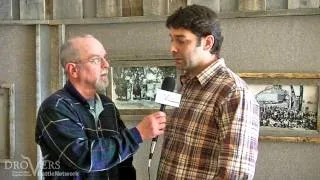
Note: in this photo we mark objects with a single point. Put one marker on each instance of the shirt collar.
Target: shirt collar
(73, 92)
(204, 76)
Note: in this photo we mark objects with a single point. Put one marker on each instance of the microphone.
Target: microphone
(168, 84)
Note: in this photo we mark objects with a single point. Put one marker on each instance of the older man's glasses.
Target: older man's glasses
(98, 60)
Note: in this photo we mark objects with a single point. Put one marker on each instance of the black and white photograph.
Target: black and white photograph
(135, 87)
(287, 106)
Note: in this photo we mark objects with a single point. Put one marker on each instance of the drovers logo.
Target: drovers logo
(26, 168)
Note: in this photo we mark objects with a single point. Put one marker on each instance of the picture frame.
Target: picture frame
(289, 131)
(134, 84)
(7, 120)
(311, 135)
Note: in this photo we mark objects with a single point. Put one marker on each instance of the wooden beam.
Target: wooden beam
(281, 75)
(229, 5)
(212, 4)
(296, 4)
(132, 8)
(155, 7)
(70, 9)
(109, 8)
(6, 9)
(290, 139)
(276, 4)
(32, 9)
(173, 5)
(89, 9)
(252, 5)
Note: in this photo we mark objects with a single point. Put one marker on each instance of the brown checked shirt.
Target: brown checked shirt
(214, 133)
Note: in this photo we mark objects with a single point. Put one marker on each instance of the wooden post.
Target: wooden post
(132, 8)
(212, 4)
(57, 71)
(70, 9)
(32, 9)
(155, 7)
(109, 8)
(252, 5)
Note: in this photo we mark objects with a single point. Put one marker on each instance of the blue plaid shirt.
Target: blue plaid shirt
(74, 146)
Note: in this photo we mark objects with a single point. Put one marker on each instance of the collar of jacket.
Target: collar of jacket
(73, 92)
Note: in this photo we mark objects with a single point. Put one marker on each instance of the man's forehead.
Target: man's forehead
(180, 32)
(85, 40)
(89, 46)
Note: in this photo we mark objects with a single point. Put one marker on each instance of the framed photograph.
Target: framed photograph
(7, 140)
(134, 87)
(289, 105)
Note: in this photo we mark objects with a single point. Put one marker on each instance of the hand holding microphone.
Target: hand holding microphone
(168, 84)
(152, 125)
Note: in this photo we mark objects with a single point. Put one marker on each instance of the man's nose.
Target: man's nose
(173, 48)
(105, 63)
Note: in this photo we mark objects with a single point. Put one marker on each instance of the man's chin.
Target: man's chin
(102, 87)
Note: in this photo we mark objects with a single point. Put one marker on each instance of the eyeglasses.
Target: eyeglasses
(98, 59)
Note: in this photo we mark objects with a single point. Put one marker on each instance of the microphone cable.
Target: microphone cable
(151, 150)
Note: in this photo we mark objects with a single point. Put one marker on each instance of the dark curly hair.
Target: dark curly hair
(200, 20)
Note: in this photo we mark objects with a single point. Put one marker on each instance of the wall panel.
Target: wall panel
(17, 65)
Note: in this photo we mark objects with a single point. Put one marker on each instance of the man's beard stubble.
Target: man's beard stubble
(102, 86)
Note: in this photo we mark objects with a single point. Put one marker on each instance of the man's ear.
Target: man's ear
(72, 70)
(208, 42)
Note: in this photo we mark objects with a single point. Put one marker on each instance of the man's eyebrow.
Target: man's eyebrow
(177, 36)
(97, 55)
(93, 55)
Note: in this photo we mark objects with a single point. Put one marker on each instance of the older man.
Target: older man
(79, 130)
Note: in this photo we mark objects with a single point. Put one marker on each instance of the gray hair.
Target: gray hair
(68, 53)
